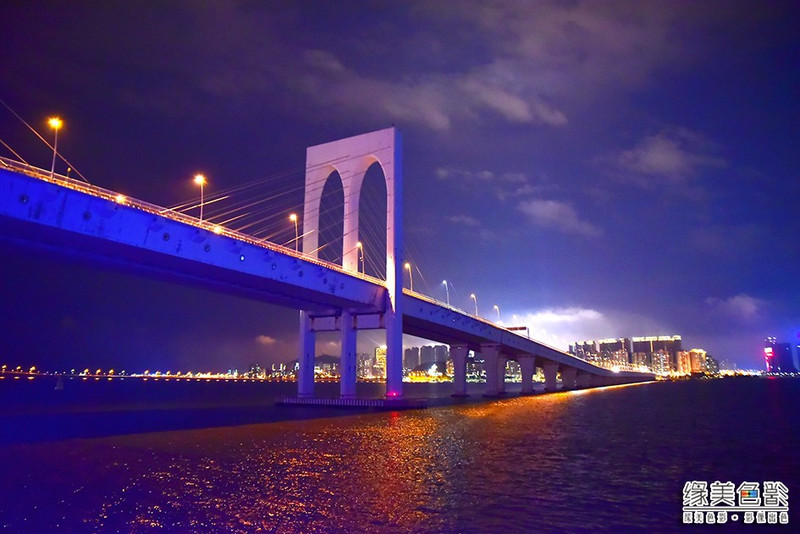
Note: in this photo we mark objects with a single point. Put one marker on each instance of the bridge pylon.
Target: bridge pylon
(351, 158)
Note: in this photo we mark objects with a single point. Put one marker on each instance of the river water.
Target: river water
(606, 459)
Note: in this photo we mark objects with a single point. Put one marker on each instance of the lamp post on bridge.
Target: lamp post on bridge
(410, 276)
(200, 180)
(447, 291)
(360, 247)
(55, 123)
(497, 309)
(293, 218)
(475, 300)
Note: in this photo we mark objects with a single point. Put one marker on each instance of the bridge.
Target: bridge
(41, 209)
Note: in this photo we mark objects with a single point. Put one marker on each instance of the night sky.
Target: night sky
(598, 169)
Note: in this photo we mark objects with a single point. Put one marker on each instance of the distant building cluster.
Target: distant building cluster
(659, 354)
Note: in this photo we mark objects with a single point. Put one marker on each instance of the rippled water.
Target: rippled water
(598, 459)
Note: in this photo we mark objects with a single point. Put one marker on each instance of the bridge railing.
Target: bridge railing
(107, 194)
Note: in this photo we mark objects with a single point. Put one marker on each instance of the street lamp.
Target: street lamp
(360, 247)
(200, 180)
(475, 299)
(447, 290)
(410, 276)
(293, 218)
(497, 309)
(55, 123)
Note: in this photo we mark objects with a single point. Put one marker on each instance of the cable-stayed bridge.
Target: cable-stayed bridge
(43, 209)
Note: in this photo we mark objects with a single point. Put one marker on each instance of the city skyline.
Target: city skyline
(585, 192)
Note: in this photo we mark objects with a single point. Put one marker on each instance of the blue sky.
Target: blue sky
(596, 169)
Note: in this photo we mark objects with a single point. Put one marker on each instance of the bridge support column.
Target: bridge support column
(501, 374)
(584, 380)
(347, 363)
(394, 352)
(550, 373)
(459, 355)
(527, 365)
(491, 353)
(305, 360)
(568, 377)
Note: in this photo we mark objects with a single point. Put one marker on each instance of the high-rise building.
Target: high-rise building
(669, 345)
(778, 356)
(380, 362)
(427, 355)
(657, 352)
(684, 362)
(441, 353)
(411, 357)
(365, 363)
(769, 353)
(698, 360)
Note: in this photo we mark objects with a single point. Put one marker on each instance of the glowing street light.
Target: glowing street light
(410, 276)
(474, 299)
(200, 180)
(55, 123)
(293, 218)
(360, 247)
(497, 309)
(447, 290)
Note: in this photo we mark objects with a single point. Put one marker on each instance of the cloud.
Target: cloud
(554, 214)
(741, 306)
(444, 173)
(472, 226)
(265, 340)
(464, 220)
(560, 327)
(513, 107)
(666, 157)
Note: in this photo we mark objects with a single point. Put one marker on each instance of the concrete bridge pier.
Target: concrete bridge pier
(347, 364)
(527, 363)
(568, 377)
(305, 373)
(459, 355)
(550, 374)
(501, 374)
(491, 364)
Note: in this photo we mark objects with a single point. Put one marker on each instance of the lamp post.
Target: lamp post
(55, 123)
(360, 247)
(475, 300)
(200, 180)
(497, 309)
(293, 218)
(447, 291)
(410, 276)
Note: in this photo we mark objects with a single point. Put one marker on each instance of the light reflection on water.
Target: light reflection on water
(614, 457)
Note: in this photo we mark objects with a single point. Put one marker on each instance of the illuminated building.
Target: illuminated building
(669, 345)
(698, 360)
(778, 356)
(380, 362)
(659, 353)
(604, 351)
(684, 362)
(769, 353)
